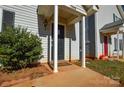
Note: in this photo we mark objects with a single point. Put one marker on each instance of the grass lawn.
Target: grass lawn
(11, 78)
(112, 69)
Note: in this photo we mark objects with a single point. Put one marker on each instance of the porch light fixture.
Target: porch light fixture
(45, 23)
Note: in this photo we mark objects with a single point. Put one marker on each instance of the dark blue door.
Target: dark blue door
(60, 42)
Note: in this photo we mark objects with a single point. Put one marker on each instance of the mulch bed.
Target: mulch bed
(15, 77)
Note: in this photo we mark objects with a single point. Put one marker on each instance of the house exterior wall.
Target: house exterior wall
(25, 16)
(102, 17)
(113, 52)
(75, 43)
(72, 42)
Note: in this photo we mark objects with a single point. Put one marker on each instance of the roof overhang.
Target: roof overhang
(78, 9)
(91, 9)
(113, 28)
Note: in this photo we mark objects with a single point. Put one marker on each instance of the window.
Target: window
(115, 18)
(8, 19)
(120, 44)
(122, 7)
(115, 44)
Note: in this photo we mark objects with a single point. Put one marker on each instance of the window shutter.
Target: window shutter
(115, 44)
(8, 19)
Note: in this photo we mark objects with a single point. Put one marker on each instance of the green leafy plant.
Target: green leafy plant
(122, 80)
(19, 48)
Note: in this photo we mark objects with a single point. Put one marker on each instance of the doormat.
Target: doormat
(64, 64)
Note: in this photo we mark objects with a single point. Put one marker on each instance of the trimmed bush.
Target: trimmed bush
(19, 48)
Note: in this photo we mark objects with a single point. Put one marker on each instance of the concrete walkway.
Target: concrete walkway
(72, 76)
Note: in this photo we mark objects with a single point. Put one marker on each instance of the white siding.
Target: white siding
(75, 44)
(72, 42)
(104, 16)
(25, 15)
(113, 44)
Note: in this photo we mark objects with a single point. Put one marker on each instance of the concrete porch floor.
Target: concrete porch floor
(71, 76)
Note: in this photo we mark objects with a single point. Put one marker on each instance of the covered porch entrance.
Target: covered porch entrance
(59, 17)
(117, 29)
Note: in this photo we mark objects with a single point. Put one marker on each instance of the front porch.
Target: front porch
(111, 48)
(56, 20)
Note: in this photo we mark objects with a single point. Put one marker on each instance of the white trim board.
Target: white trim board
(1, 15)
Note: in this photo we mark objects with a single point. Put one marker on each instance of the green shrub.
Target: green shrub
(19, 48)
(122, 80)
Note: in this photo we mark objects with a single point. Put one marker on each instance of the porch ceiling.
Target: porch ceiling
(45, 10)
(64, 13)
(68, 14)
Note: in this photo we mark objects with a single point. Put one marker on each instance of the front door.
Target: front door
(60, 42)
(105, 46)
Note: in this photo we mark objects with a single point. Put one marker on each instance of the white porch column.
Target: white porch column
(83, 42)
(123, 45)
(109, 46)
(118, 45)
(97, 35)
(56, 38)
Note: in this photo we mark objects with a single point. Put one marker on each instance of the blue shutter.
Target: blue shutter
(8, 19)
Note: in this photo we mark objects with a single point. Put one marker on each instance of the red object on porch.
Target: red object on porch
(103, 57)
(105, 46)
